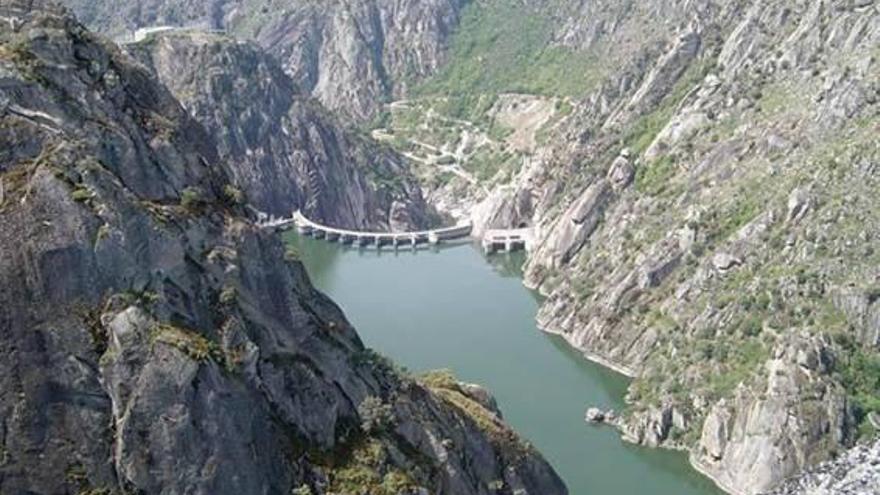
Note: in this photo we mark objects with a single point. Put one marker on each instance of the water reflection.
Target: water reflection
(508, 265)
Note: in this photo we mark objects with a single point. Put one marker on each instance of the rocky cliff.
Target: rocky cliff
(352, 55)
(154, 341)
(703, 225)
(286, 151)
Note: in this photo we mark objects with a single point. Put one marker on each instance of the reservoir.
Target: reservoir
(452, 307)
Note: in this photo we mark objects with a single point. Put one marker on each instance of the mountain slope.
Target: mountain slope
(288, 152)
(154, 341)
(702, 224)
(350, 55)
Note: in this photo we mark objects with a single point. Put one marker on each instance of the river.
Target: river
(453, 308)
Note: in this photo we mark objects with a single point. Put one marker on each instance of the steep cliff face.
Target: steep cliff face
(702, 226)
(352, 55)
(287, 152)
(154, 341)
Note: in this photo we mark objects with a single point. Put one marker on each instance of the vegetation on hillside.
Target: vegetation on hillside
(504, 46)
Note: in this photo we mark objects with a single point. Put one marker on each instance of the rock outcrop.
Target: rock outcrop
(152, 340)
(286, 152)
(862, 309)
(744, 443)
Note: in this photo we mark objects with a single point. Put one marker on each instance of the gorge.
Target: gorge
(697, 178)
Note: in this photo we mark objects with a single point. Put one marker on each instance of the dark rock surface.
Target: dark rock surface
(153, 341)
(285, 150)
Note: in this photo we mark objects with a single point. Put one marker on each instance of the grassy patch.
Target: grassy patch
(742, 212)
(653, 178)
(776, 98)
(486, 163)
(366, 468)
(742, 360)
(443, 384)
(643, 131)
(190, 342)
(81, 194)
(505, 46)
(473, 107)
(191, 199)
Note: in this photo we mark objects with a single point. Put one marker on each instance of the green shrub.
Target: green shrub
(190, 198)
(233, 194)
(82, 194)
(302, 490)
(190, 342)
(653, 178)
(741, 213)
(365, 468)
(860, 374)
(752, 326)
(446, 160)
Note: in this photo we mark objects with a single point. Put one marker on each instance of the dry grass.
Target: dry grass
(444, 385)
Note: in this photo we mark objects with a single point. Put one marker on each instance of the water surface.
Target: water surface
(454, 308)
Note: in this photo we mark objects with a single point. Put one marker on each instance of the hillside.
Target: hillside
(700, 197)
(703, 223)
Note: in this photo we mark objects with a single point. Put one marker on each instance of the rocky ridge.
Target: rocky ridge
(155, 341)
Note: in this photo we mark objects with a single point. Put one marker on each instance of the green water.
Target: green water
(454, 308)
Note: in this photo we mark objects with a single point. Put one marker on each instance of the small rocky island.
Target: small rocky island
(594, 415)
